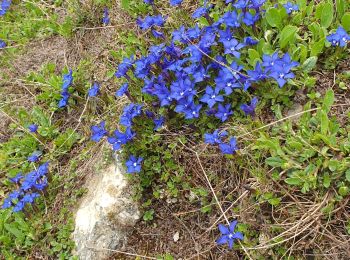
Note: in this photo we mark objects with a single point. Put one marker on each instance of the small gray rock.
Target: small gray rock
(105, 215)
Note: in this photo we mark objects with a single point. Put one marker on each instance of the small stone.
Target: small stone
(176, 236)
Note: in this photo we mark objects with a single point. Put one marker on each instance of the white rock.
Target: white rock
(105, 215)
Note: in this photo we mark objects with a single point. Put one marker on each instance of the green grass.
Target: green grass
(289, 163)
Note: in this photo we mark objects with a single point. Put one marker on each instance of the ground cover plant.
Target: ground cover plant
(231, 118)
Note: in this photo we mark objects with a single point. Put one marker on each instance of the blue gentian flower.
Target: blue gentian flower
(224, 112)
(64, 100)
(157, 34)
(212, 96)
(250, 19)
(17, 178)
(192, 111)
(34, 157)
(105, 19)
(130, 111)
(241, 4)
(339, 38)
(250, 109)
(258, 74)
(94, 90)
(33, 181)
(67, 80)
(150, 21)
(4, 6)
(2, 44)
(124, 67)
(134, 164)
(119, 138)
(256, 4)
(281, 75)
(231, 19)
(181, 88)
(250, 41)
(290, 7)
(202, 11)
(228, 234)
(150, 2)
(98, 131)
(159, 122)
(33, 128)
(175, 2)
(215, 137)
(122, 90)
(232, 47)
(229, 148)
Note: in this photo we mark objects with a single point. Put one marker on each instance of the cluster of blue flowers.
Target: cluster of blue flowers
(4, 6)
(67, 82)
(29, 186)
(340, 38)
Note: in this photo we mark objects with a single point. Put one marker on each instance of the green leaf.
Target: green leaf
(343, 191)
(327, 15)
(288, 35)
(345, 21)
(275, 161)
(273, 18)
(328, 100)
(326, 180)
(317, 47)
(324, 122)
(309, 64)
(253, 56)
(293, 181)
(347, 175)
(340, 6)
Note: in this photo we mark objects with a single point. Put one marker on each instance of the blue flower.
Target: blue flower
(159, 122)
(339, 38)
(64, 100)
(250, 41)
(250, 109)
(150, 21)
(281, 75)
(250, 19)
(232, 47)
(122, 90)
(231, 19)
(130, 111)
(241, 4)
(182, 88)
(258, 74)
(290, 7)
(228, 234)
(33, 128)
(202, 11)
(17, 178)
(256, 4)
(134, 164)
(192, 111)
(124, 67)
(34, 157)
(67, 80)
(120, 138)
(94, 90)
(212, 96)
(150, 2)
(105, 19)
(215, 137)
(229, 148)
(98, 131)
(35, 180)
(4, 6)
(2, 44)
(224, 112)
(175, 2)
(157, 34)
